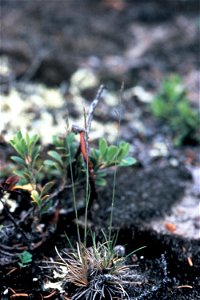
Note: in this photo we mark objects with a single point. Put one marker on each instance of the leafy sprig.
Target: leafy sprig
(173, 108)
(107, 156)
(62, 155)
(28, 152)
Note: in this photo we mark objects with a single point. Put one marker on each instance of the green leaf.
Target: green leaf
(96, 154)
(159, 108)
(36, 197)
(128, 161)
(35, 153)
(46, 188)
(111, 154)
(54, 164)
(100, 181)
(19, 173)
(49, 162)
(125, 148)
(34, 139)
(70, 138)
(28, 140)
(47, 206)
(56, 141)
(18, 160)
(101, 173)
(120, 154)
(21, 148)
(18, 148)
(56, 156)
(19, 135)
(24, 175)
(103, 146)
(25, 258)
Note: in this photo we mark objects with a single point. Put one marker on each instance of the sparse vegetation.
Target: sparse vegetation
(92, 270)
(30, 169)
(28, 152)
(75, 193)
(96, 272)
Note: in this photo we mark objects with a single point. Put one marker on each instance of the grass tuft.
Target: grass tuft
(94, 273)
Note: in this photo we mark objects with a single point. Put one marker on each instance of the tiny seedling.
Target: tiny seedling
(173, 108)
(25, 259)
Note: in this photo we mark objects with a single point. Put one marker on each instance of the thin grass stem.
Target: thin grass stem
(74, 196)
(115, 172)
(87, 191)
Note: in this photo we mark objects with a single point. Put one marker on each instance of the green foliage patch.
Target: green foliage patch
(25, 259)
(172, 106)
(63, 154)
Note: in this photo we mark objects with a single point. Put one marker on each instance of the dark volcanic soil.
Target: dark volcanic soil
(142, 194)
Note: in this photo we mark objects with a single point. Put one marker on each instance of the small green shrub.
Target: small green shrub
(63, 154)
(107, 156)
(172, 107)
(28, 152)
(104, 157)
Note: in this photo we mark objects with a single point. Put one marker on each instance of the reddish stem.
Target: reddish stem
(93, 194)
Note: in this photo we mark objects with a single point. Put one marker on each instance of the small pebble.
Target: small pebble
(119, 250)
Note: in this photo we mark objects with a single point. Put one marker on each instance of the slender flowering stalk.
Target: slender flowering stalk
(93, 106)
(91, 194)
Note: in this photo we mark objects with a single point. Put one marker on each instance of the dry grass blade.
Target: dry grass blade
(95, 272)
(77, 274)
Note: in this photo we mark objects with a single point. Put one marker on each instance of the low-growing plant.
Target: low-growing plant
(68, 160)
(107, 156)
(172, 106)
(63, 153)
(25, 259)
(102, 158)
(28, 152)
(93, 273)
(64, 149)
(97, 272)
